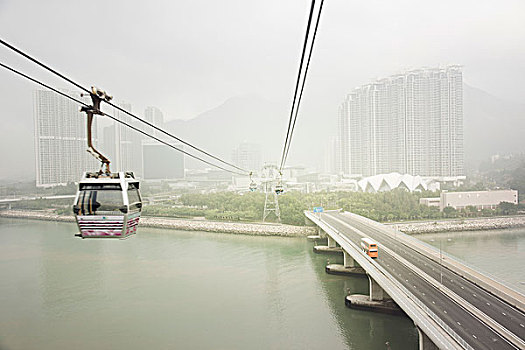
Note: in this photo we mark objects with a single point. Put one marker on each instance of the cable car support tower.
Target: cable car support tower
(270, 183)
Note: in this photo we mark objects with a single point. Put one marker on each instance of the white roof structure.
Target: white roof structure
(388, 182)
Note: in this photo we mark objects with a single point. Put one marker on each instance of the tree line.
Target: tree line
(397, 205)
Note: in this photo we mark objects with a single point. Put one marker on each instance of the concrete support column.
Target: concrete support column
(331, 242)
(424, 341)
(348, 261)
(376, 292)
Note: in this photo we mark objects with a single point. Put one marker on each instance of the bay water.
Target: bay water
(166, 289)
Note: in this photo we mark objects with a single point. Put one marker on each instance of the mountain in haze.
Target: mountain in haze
(221, 129)
(249, 119)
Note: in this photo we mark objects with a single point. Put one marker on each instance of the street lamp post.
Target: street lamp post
(440, 261)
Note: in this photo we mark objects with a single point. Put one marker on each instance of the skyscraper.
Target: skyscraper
(154, 116)
(408, 123)
(60, 139)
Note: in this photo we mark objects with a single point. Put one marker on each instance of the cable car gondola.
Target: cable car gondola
(253, 185)
(107, 205)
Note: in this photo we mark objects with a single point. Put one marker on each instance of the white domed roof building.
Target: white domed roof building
(388, 182)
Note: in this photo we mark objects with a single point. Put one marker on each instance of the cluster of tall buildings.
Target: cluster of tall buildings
(410, 123)
(60, 143)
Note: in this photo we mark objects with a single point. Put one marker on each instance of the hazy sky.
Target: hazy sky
(187, 56)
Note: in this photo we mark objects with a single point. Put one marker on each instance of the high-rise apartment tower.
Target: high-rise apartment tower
(408, 123)
(60, 139)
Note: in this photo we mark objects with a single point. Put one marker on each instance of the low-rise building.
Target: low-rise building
(430, 202)
(478, 199)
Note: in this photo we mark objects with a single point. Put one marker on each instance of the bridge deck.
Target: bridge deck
(393, 256)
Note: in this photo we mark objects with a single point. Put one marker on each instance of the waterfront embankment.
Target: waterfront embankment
(269, 229)
(256, 229)
(473, 224)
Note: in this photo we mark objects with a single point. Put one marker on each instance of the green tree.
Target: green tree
(507, 208)
(450, 212)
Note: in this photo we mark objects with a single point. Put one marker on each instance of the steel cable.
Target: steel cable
(304, 81)
(297, 83)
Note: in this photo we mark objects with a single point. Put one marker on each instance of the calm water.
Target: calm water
(500, 253)
(185, 290)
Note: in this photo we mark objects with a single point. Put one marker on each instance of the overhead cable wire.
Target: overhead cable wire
(117, 120)
(297, 83)
(120, 108)
(20, 52)
(304, 81)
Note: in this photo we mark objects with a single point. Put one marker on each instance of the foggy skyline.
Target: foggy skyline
(187, 57)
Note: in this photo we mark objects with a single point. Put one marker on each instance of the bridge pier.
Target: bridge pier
(348, 261)
(331, 246)
(331, 242)
(424, 341)
(377, 300)
(376, 292)
(349, 267)
(319, 235)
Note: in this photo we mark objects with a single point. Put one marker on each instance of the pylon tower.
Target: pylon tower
(271, 202)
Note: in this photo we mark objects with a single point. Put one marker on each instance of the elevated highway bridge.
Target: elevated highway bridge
(452, 305)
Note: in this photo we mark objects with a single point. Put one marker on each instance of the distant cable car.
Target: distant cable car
(279, 189)
(253, 185)
(108, 206)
